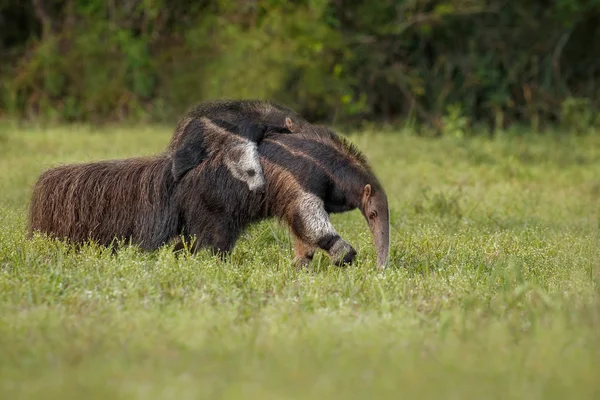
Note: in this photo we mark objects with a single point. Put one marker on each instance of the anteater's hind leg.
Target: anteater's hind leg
(215, 234)
(310, 223)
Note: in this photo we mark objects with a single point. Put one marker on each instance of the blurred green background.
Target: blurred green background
(451, 64)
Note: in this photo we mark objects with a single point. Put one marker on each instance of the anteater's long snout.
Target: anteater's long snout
(380, 229)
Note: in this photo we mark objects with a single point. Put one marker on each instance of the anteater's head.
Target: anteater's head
(374, 207)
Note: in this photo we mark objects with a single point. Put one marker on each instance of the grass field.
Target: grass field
(493, 289)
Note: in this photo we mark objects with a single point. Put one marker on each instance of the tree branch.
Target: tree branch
(556, 58)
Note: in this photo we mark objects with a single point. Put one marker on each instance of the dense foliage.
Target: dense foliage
(449, 62)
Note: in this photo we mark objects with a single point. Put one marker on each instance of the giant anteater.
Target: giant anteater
(308, 175)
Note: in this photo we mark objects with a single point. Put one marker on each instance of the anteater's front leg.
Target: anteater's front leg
(311, 225)
(304, 253)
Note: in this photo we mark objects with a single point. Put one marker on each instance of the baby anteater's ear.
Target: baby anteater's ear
(288, 127)
(192, 150)
(289, 124)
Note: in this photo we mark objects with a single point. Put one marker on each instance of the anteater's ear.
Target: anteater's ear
(367, 191)
(366, 196)
(289, 124)
(191, 151)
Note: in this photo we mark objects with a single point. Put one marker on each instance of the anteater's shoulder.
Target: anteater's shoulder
(340, 143)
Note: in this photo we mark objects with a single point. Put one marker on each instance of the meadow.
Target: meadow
(492, 292)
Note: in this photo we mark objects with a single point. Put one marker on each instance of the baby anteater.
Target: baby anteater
(249, 120)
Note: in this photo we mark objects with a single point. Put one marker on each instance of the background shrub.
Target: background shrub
(490, 62)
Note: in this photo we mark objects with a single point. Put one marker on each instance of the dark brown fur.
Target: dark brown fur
(120, 199)
(104, 201)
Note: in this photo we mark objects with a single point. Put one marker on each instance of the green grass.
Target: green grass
(492, 293)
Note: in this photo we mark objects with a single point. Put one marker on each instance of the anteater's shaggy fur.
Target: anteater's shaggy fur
(126, 199)
(104, 201)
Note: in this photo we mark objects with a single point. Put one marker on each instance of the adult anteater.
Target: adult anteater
(308, 175)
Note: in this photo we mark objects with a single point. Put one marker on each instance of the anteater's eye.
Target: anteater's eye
(250, 172)
(372, 214)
